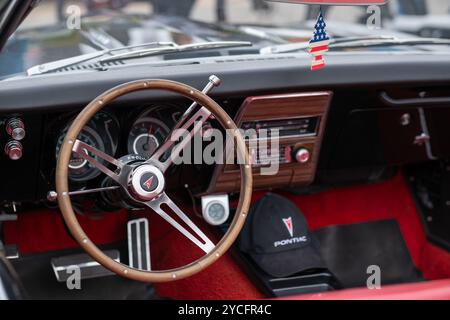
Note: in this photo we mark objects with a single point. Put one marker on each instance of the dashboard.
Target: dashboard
(347, 127)
(134, 134)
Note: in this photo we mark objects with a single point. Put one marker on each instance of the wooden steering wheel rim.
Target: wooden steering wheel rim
(69, 215)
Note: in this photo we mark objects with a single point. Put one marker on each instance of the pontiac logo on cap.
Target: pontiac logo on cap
(289, 225)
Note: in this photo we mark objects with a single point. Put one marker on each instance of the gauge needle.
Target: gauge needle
(148, 135)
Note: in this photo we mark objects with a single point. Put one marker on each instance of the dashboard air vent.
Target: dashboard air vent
(92, 66)
(257, 58)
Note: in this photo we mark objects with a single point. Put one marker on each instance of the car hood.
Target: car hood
(34, 46)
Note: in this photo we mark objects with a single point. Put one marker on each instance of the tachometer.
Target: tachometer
(146, 135)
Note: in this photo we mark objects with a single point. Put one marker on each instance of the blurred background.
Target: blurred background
(238, 11)
(51, 32)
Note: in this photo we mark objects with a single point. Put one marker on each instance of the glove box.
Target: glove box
(391, 136)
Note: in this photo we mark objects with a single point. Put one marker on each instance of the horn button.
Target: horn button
(146, 182)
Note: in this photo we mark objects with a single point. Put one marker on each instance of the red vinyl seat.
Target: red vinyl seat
(430, 290)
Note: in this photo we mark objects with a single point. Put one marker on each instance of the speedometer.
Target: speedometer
(146, 135)
(79, 168)
(101, 133)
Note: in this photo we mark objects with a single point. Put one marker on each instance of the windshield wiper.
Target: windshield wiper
(176, 48)
(391, 42)
(293, 47)
(133, 52)
(63, 63)
(356, 42)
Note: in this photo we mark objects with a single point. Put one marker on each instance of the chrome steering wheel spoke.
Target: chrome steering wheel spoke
(83, 149)
(186, 132)
(196, 236)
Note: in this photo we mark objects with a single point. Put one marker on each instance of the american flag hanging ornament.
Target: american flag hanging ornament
(319, 43)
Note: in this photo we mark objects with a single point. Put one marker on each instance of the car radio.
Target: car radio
(296, 127)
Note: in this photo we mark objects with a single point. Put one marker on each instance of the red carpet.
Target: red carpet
(44, 230)
(222, 280)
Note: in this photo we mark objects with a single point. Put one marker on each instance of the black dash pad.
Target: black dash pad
(349, 250)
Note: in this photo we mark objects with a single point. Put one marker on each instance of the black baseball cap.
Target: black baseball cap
(277, 239)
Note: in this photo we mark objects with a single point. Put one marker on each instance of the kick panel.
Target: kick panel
(299, 120)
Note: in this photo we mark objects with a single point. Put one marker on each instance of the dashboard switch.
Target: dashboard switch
(15, 128)
(13, 150)
(302, 155)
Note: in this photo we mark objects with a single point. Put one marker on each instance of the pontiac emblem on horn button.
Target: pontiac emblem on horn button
(149, 182)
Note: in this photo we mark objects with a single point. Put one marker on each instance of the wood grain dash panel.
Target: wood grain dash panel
(279, 107)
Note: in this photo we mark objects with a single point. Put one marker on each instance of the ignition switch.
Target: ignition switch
(15, 128)
(13, 150)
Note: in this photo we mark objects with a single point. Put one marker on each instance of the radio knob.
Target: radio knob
(13, 150)
(15, 128)
(302, 155)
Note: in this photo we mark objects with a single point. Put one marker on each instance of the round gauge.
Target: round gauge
(79, 168)
(101, 133)
(215, 213)
(108, 127)
(146, 135)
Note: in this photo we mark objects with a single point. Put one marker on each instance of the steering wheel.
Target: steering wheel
(144, 182)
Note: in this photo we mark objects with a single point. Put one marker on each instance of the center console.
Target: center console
(299, 119)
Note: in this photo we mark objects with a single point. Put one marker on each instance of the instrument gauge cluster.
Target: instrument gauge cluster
(120, 134)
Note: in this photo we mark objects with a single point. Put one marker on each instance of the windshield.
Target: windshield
(60, 29)
(3, 3)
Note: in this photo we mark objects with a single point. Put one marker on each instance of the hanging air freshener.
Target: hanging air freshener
(319, 43)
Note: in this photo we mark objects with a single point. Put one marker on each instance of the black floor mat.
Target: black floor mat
(39, 281)
(350, 249)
